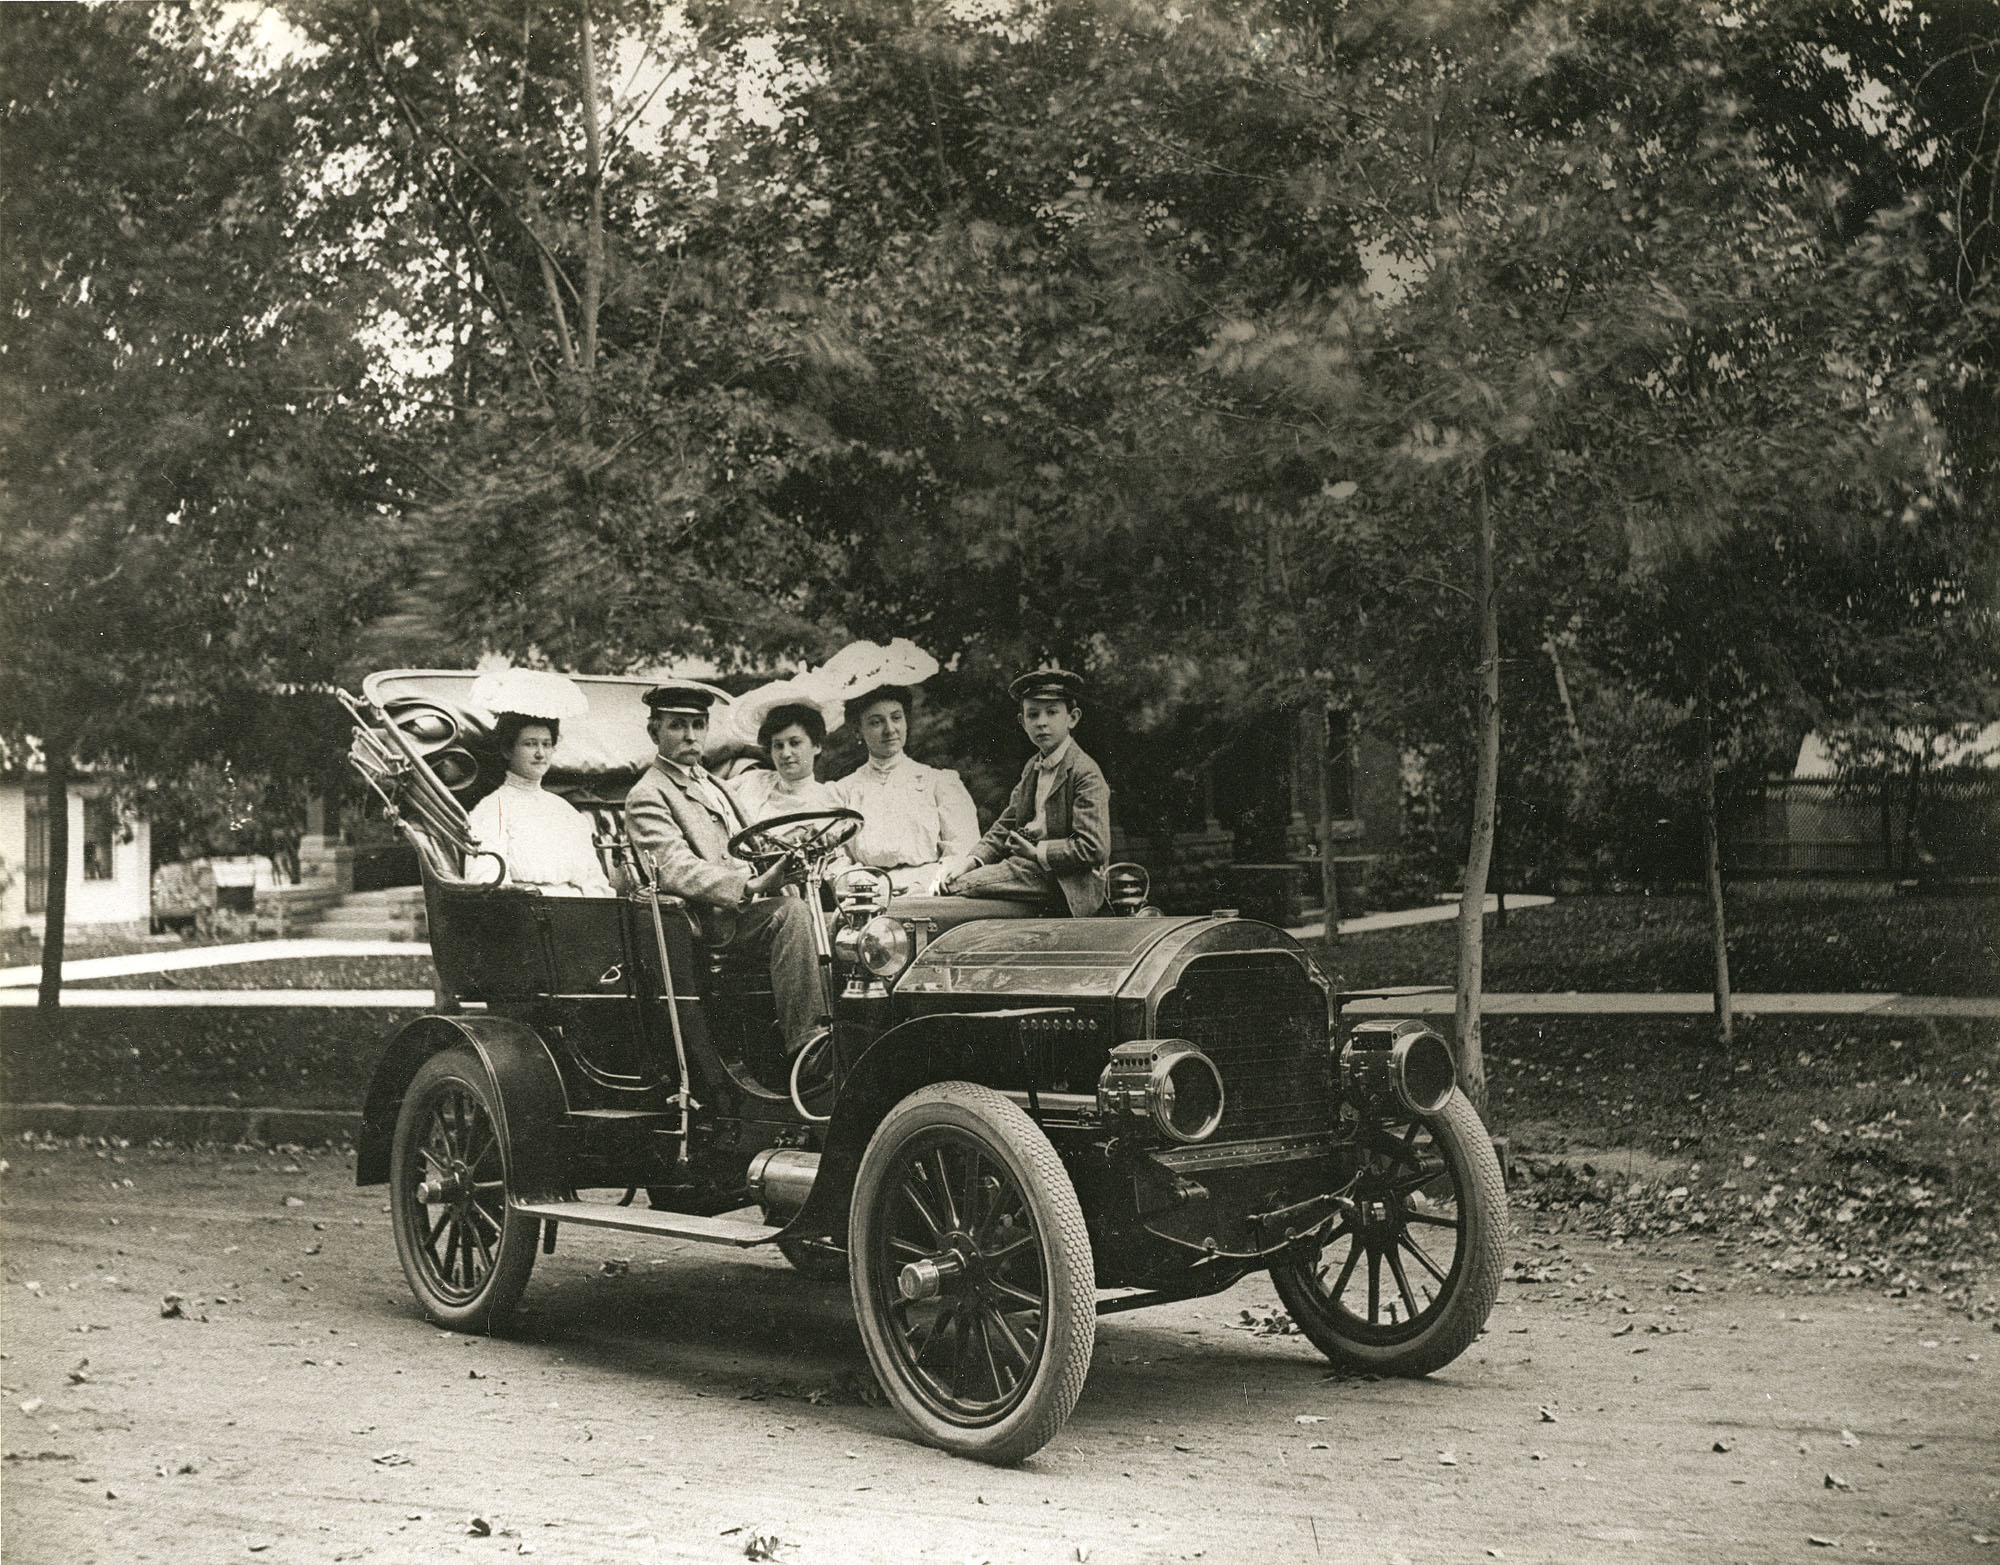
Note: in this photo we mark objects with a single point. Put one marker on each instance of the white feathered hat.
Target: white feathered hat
(862, 666)
(531, 692)
(753, 706)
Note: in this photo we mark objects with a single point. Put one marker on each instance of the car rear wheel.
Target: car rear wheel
(1404, 1281)
(466, 1254)
(972, 1274)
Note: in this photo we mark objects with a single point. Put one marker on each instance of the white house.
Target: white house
(110, 860)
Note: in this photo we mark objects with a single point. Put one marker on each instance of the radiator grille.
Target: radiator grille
(1264, 1024)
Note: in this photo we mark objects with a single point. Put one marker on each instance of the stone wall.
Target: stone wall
(1190, 869)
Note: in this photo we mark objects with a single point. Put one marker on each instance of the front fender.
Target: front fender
(525, 1080)
(982, 1046)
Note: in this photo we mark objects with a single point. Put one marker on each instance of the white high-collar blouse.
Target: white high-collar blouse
(916, 818)
(546, 843)
(762, 794)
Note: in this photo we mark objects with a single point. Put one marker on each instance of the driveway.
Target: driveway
(672, 1403)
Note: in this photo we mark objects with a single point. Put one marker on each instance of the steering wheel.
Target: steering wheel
(807, 835)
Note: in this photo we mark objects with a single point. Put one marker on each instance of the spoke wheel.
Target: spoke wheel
(1404, 1281)
(467, 1257)
(972, 1274)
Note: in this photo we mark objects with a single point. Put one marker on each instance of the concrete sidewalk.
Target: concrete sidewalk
(1444, 912)
(1442, 1002)
(209, 956)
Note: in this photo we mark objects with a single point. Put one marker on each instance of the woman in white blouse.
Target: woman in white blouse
(545, 842)
(916, 818)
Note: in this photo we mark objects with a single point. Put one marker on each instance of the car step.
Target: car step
(631, 1119)
(644, 1220)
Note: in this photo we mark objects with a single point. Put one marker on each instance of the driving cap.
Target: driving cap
(688, 700)
(1047, 684)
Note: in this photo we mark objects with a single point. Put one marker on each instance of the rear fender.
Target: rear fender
(982, 1046)
(526, 1082)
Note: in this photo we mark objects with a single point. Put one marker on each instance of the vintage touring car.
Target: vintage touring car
(1017, 1124)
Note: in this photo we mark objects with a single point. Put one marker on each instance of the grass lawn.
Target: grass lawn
(293, 1059)
(1911, 945)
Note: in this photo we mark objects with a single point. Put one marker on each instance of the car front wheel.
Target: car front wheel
(972, 1274)
(466, 1254)
(1404, 1280)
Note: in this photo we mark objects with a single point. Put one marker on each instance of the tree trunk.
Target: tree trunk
(1486, 787)
(1328, 878)
(593, 254)
(1912, 797)
(55, 901)
(1711, 842)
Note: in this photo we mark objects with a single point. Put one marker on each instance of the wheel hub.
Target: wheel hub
(454, 1185)
(925, 1279)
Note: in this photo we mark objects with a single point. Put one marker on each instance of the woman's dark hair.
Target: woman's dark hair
(799, 715)
(900, 694)
(508, 725)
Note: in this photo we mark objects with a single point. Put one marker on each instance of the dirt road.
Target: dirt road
(691, 1405)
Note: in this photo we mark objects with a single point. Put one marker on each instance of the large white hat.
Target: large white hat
(862, 666)
(753, 706)
(532, 692)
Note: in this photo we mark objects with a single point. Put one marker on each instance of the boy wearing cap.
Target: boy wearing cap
(1052, 838)
(681, 819)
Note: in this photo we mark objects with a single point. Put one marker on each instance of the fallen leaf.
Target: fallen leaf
(1849, 1437)
(292, 1200)
(762, 1545)
(1821, 1543)
(1624, 1330)
(390, 1459)
(478, 1527)
(31, 1404)
(1310, 1418)
(1723, 1446)
(1319, 1445)
(1446, 1459)
(1547, 1415)
(171, 1307)
(617, 1266)
(1834, 1481)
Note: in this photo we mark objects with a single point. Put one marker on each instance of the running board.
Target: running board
(644, 1220)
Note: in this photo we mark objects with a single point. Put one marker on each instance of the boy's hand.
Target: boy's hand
(949, 875)
(1019, 845)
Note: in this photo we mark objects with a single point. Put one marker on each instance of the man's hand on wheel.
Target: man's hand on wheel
(767, 884)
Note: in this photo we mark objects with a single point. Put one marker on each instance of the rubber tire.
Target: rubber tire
(489, 1309)
(1462, 1139)
(1070, 1310)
